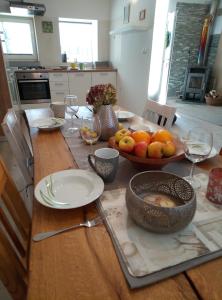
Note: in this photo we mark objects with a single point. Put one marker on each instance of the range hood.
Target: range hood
(34, 9)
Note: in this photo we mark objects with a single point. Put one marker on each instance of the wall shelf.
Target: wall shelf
(128, 28)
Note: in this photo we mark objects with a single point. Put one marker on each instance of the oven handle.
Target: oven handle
(33, 81)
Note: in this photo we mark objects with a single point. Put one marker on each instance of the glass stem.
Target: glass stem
(192, 170)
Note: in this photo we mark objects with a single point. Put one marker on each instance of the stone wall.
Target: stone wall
(188, 27)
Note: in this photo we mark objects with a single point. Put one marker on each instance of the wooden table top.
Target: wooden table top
(82, 264)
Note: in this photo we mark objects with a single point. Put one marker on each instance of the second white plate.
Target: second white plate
(48, 124)
(124, 115)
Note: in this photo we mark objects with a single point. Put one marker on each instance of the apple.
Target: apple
(127, 144)
(140, 149)
(141, 135)
(169, 149)
(155, 150)
(121, 133)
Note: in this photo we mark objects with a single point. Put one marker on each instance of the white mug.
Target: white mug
(58, 109)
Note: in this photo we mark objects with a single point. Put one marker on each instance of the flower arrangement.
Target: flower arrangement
(101, 94)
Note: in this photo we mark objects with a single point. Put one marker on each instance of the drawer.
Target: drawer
(58, 96)
(58, 76)
(59, 85)
(104, 78)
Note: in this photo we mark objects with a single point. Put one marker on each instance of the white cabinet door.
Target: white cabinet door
(79, 85)
(58, 96)
(58, 76)
(104, 78)
(59, 86)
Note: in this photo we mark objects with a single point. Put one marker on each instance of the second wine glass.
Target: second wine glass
(72, 107)
(198, 145)
(90, 130)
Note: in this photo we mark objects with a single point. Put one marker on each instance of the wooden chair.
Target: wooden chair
(13, 131)
(15, 228)
(160, 114)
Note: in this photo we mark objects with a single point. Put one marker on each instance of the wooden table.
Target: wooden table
(82, 264)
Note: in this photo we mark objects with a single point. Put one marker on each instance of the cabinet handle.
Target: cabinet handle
(59, 83)
(80, 74)
(103, 74)
(59, 93)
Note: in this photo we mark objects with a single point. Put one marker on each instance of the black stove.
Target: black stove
(31, 68)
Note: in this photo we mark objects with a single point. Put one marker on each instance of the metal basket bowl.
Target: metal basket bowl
(155, 218)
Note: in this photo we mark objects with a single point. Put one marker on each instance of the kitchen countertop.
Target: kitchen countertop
(67, 71)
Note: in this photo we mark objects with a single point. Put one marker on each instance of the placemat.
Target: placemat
(148, 257)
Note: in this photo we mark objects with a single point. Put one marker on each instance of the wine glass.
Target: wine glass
(90, 130)
(72, 107)
(198, 145)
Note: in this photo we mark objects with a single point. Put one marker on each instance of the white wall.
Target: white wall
(49, 44)
(130, 54)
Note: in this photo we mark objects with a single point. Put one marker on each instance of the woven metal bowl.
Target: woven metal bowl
(155, 218)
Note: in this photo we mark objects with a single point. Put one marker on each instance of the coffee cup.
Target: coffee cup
(214, 187)
(105, 163)
(58, 109)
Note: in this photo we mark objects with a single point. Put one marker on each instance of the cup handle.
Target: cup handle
(92, 164)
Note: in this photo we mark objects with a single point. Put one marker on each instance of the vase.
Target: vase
(109, 122)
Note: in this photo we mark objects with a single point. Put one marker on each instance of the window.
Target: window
(79, 39)
(19, 37)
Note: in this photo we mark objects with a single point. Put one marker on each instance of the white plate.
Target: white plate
(48, 123)
(124, 115)
(69, 189)
(135, 127)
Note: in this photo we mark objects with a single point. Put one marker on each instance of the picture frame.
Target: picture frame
(142, 15)
(126, 14)
(47, 27)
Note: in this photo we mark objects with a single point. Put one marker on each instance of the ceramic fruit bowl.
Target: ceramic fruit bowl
(160, 202)
(150, 163)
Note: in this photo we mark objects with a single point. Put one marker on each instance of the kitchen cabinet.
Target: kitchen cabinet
(104, 78)
(79, 84)
(59, 86)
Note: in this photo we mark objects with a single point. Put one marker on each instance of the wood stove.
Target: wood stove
(195, 83)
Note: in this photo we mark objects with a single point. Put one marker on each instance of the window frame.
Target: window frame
(94, 23)
(26, 20)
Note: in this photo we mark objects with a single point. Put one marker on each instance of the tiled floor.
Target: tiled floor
(212, 114)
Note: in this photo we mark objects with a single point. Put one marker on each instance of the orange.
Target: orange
(141, 136)
(162, 135)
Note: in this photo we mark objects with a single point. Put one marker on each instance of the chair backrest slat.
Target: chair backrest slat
(159, 113)
(13, 132)
(15, 226)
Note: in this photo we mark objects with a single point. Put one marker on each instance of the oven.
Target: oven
(33, 87)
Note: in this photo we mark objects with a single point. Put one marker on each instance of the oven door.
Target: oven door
(34, 91)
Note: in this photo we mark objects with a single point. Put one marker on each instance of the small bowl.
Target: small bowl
(156, 218)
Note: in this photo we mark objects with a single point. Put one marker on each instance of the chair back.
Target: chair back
(13, 132)
(15, 226)
(160, 114)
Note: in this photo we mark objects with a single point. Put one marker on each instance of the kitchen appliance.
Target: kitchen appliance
(33, 87)
(34, 9)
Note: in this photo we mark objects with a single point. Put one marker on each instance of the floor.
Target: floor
(209, 113)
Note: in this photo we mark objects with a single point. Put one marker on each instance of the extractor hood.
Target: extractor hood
(34, 9)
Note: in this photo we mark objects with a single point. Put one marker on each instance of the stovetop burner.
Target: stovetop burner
(31, 68)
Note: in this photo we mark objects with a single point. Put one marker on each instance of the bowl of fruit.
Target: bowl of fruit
(148, 150)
